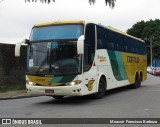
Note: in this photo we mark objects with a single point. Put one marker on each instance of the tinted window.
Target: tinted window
(56, 32)
(89, 46)
(107, 39)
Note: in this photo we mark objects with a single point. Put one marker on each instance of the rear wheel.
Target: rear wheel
(141, 79)
(101, 89)
(137, 83)
(58, 97)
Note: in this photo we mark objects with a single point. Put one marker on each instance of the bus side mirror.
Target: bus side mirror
(18, 47)
(80, 45)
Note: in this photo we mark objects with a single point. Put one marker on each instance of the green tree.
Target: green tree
(148, 31)
(111, 3)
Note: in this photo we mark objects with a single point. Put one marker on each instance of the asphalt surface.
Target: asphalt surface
(124, 102)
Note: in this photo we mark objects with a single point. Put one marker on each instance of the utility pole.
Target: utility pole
(151, 51)
(150, 39)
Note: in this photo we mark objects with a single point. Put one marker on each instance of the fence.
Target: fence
(12, 69)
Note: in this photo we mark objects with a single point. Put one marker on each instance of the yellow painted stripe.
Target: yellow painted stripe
(102, 60)
(40, 80)
(45, 81)
(62, 22)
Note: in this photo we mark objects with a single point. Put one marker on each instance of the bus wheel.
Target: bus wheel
(137, 83)
(141, 79)
(101, 89)
(58, 97)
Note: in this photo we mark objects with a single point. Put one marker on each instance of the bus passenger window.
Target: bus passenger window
(110, 45)
(99, 44)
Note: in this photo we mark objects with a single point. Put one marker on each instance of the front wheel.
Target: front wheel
(101, 89)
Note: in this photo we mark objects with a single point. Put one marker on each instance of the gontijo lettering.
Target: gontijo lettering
(132, 59)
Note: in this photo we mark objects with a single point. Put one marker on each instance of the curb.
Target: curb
(16, 97)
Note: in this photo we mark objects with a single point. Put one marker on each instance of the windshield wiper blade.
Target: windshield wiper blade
(43, 62)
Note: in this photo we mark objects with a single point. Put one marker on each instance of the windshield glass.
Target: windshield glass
(56, 32)
(57, 57)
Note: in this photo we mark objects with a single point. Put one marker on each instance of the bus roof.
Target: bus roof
(61, 22)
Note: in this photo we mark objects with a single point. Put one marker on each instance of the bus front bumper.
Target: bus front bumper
(57, 91)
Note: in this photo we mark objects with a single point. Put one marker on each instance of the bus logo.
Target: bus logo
(90, 85)
(101, 58)
(132, 59)
(6, 121)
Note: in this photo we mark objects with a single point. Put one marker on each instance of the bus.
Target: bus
(77, 58)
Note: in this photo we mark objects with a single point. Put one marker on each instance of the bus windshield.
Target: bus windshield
(56, 57)
(53, 49)
(56, 32)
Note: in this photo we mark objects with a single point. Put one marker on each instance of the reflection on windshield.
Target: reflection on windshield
(38, 57)
(54, 58)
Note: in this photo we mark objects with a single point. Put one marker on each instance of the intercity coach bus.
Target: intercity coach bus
(76, 58)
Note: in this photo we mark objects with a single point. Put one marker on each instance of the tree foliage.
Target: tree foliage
(111, 3)
(43, 1)
(148, 31)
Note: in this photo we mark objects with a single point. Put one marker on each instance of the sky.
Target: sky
(17, 17)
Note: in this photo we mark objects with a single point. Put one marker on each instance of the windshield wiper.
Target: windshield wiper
(43, 62)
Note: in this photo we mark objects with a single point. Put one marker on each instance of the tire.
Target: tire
(58, 97)
(137, 83)
(141, 79)
(101, 89)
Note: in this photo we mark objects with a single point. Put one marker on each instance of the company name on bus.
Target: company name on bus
(40, 80)
(101, 57)
(132, 59)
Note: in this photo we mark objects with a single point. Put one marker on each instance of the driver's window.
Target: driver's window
(89, 47)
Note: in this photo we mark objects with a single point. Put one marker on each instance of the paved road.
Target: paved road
(119, 103)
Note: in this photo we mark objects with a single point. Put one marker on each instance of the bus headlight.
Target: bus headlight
(30, 83)
(73, 83)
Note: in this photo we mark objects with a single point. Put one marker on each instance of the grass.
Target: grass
(12, 88)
